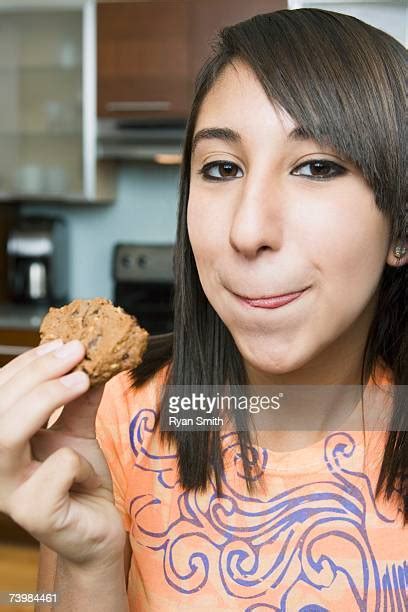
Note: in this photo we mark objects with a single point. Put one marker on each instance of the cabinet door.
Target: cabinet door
(41, 101)
(210, 15)
(13, 342)
(142, 59)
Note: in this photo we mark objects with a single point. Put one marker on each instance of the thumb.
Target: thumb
(78, 417)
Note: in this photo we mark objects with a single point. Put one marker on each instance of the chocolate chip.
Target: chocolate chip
(93, 342)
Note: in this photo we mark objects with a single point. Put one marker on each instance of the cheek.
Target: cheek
(205, 230)
(348, 243)
(204, 212)
(354, 243)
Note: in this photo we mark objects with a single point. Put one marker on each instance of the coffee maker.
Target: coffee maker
(37, 261)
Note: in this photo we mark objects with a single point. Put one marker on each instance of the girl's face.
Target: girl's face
(270, 213)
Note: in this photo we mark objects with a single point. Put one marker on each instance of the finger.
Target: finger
(78, 417)
(45, 442)
(45, 367)
(27, 416)
(45, 513)
(18, 363)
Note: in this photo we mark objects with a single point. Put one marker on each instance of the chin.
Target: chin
(281, 359)
(274, 367)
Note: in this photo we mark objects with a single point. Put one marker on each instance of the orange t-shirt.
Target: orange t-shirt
(313, 540)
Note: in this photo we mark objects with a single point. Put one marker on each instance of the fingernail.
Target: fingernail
(47, 347)
(76, 379)
(71, 349)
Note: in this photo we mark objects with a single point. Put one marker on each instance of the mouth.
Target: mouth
(271, 301)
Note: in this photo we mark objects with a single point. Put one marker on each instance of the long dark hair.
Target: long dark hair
(343, 82)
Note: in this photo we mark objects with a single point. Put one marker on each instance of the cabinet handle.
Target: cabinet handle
(6, 349)
(135, 105)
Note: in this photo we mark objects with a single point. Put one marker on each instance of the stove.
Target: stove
(144, 284)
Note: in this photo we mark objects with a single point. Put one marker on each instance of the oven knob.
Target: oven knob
(126, 261)
(141, 261)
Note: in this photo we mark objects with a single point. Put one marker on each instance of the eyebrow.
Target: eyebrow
(231, 136)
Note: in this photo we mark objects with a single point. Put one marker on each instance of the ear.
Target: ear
(395, 261)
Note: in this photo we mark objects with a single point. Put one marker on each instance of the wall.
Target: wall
(145, 211)
(388, 15)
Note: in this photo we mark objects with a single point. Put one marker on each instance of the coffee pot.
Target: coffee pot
(37, 261)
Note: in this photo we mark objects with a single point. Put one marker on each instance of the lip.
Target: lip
(275, 301)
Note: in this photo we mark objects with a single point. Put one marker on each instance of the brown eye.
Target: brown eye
(320, 169)
(227, 169)
(220, 170)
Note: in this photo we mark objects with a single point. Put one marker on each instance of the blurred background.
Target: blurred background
(94, 99)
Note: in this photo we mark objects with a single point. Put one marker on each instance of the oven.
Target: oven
(144, 284)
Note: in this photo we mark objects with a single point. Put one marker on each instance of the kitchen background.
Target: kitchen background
(94, 99)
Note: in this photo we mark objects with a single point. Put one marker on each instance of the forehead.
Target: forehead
(238, 99)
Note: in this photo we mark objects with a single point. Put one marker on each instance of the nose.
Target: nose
(259, 217)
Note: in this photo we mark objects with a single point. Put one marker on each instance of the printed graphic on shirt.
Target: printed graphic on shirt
(315, 545)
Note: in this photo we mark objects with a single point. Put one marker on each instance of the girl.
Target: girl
(293, 183)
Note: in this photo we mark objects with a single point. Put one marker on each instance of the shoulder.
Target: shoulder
(140, 462)
(125, 409)
(122, 396)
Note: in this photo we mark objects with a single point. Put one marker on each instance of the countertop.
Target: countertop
(21, 316)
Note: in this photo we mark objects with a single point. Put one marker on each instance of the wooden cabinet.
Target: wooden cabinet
(143, 67)
(149, 52)
(12, 343)
(10, 532)
(211, 15)
(15, 341)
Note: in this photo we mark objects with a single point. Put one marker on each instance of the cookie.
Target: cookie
(112, 338)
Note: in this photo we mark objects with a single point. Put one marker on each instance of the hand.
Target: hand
(55, 482)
